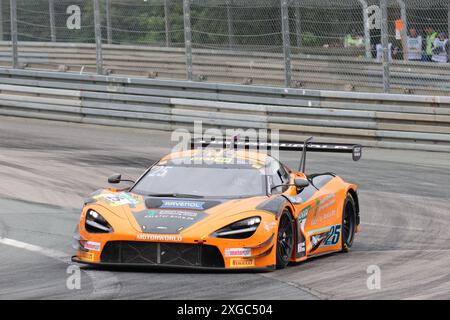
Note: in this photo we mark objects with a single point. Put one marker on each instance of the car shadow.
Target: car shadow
(168, 270)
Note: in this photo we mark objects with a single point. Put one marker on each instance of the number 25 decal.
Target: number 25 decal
(333, 236)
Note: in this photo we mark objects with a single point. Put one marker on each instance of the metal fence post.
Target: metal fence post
(230, 23)
(286, 42)
(448, 26)
(402, 5)
(51, 11)
(98, 37)
(188, 38)
(298, 25)
(167, 22)
(404, 31)
(1, 20)
(15, 58)
(366, 29)
(108, 22)
(385, 45)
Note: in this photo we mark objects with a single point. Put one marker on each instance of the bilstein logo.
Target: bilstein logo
(182, 204)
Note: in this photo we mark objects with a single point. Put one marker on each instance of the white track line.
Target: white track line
(106, 285)
(57, 255)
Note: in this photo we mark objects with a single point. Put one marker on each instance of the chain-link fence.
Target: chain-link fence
(364, 45)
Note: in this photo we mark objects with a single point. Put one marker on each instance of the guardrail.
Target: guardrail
(375, 120)
(326, 72)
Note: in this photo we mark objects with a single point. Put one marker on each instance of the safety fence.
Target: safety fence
(310, 71)
(367, 45)
(372, 119)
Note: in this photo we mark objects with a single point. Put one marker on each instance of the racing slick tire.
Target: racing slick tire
(285, 239)
(348, 223)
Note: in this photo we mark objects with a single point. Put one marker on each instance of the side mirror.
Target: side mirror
(115, 178)
(301, 183)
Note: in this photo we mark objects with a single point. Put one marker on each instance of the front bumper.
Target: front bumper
(75, 259)
(167, 255)
(126, 246)
(160, 253)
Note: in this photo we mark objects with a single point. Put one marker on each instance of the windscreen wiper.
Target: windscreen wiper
(174, 195)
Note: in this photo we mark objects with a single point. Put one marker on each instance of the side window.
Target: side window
(284, 174)
(277, 175)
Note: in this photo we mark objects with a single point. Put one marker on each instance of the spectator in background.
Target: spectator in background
(397, 52)
(353, 40)
(414, 43)
(379, 49)
(431, 36)
(440, 49)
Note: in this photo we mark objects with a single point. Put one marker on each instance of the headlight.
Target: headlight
(239, 230)
(95, 223)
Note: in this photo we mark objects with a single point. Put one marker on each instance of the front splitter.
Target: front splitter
(171, 267)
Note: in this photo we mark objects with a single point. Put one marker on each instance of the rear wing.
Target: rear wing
(304, 147)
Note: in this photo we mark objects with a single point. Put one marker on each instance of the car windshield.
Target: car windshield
(203, 181)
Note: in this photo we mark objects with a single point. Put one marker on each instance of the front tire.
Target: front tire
(285, 240)
(348, 223)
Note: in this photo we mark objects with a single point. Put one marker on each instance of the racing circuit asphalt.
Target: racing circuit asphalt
(47, 168)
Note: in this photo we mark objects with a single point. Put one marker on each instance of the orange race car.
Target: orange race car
(221, 205)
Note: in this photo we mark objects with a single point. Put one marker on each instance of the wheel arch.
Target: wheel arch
(291, 212)
(352, 191)
(289, 208)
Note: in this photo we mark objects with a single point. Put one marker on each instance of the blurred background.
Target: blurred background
(317, 44)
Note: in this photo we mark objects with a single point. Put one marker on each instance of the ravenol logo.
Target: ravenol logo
(170, 204)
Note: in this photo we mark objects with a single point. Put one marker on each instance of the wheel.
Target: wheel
(285, 240)
(348, 223)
